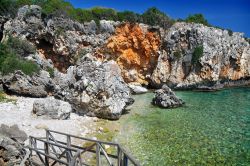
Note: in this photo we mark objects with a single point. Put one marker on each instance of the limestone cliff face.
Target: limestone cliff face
(225, 57)
(147, 55)
(135, 48)
(57, 38)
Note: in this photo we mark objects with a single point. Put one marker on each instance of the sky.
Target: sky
(232, 14)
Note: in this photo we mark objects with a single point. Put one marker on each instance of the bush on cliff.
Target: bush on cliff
(129, 16)
(153, 16)
(20, 47)
(197, 54)
(11, 58)
(197, 18)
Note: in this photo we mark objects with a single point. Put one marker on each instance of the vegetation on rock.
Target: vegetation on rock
(153, 16)
(11, 57)
(177, 54)
(197, 54)
(197, 18)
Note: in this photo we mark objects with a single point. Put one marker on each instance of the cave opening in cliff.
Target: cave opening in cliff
(45, 50)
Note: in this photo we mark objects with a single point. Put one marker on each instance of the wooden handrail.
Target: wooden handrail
(70, 152)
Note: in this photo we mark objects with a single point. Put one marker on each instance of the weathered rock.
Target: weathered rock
(50, 108)
(108, 26)
(135, 49)
(10, 152)
(137, 88)
(59, 39)
(224, 57)
(166, 98)
(11, 139)
(95, 89)
(13, 132)
(21, 84)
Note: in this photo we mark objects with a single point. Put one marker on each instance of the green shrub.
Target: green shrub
(129, 16)
(247, 39)
(51, 72)
(11, 57)
(21, 47)
(83, 15)
(197, 54)
(104, 13)
(197, 18)
(4, 53)
(153, 16)
(13, 63)
(58, 8)
(177, 54)
(230, 32)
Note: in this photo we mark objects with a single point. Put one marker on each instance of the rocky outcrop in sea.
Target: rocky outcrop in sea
(166, 98)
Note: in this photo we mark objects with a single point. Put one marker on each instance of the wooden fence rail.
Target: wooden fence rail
(51, 151)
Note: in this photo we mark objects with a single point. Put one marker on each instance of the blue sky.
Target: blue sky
(233, 14)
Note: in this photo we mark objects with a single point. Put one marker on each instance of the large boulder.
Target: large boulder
(95, 89)
(225, 56)
(166, 98)
(21, 84)
(50, 108)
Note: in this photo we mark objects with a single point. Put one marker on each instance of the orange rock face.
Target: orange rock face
(135, 50)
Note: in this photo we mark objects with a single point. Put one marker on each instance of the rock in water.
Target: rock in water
(166, 98)
(21, 84)
(52, 109)
(95, 89)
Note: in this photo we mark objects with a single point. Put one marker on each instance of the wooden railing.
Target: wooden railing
(51, 151)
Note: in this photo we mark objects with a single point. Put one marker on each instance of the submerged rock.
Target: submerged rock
(166, 98)
(50, 108)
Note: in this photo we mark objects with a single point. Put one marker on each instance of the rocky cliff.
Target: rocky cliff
(135, 48)
(224, 56)
(92, 63)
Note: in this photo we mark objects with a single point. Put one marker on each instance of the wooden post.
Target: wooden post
(46, 150)
(68, 154)
(98, 157)
(31, 145)
(119, 156)
(125, 160)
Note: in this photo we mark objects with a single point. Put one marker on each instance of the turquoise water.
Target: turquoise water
(211, 129)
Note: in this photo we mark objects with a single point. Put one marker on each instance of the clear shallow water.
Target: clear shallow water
(212, 129)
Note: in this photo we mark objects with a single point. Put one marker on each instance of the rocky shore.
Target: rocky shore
(95, 68)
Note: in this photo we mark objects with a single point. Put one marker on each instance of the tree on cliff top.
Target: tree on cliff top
(153, 16)
(197, 18)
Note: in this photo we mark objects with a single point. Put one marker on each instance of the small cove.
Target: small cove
(211, 129)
